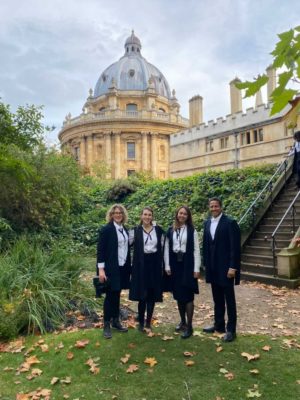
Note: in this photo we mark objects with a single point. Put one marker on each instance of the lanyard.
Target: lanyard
(179, 235)
(121, 230)
(148, 235)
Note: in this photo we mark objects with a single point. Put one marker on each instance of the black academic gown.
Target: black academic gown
(223, 252)
(138, 286)
(107, 252)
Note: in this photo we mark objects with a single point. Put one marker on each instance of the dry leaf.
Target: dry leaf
(8, 369)
(80, 344)
(67, 380)
(54, 380)
(94, 369)
(254, 371)
(125, 359)
(167, 338)
(250, 357)
(266, 348)
(253, 393)
(32, 360)
(132, 368)
(189, 353)
(223, 371)
(219, 349)
(70, 355)
(131, 345)
(229, 376)
(150, 334)
(189, 363)
(150, 361)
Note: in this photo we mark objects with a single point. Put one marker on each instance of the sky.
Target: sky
(53, 51)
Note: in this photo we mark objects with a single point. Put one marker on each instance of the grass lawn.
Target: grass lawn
(213, 375)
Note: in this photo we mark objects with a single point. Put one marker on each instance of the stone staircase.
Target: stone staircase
(257, 258)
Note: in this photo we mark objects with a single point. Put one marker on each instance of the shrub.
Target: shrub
(119, 190)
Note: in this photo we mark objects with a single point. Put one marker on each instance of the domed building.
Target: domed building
(127, 120)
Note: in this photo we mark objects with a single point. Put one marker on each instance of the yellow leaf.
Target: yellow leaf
(189, 363)
(32, 360)
(219, 349)
(167, 338)
(266, 348)
(67, 380)
(250, 357)
(188, 353)
(54, 380)
(125, 359)
(80, 344)
(70, 355)
(254, 371)
(150, 361)
(44, 348)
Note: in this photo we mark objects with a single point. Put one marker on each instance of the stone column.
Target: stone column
(107, 158)
(117, 173)
(144, 151)
(82, 151)
(153, 153)
(89, 151)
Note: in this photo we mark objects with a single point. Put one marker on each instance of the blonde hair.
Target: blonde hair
(110, 212)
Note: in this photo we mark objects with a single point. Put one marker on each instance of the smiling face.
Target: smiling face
(215, 208)
(182, 216)
(118, 216)
(146, 217)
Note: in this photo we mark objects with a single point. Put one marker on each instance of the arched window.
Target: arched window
(131, 107)
(162, 109)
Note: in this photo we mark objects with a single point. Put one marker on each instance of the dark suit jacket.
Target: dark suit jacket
(107, 252)
(138, 285)
(223, 252)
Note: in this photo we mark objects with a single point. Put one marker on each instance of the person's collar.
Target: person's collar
(217, 218)
(117, 225)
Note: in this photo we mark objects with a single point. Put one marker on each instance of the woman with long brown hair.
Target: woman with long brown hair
(147, 267)
(182, 263)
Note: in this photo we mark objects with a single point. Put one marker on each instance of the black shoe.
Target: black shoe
(117, 325)
(141, 327)
(229, 337)
(212, 329)
(180, 327)
(187, 333)
(106, 331)
(148, 326)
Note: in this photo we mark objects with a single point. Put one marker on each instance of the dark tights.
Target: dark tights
(186, 309)
(147, 304)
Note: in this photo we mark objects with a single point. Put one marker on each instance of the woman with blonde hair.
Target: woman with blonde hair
(113, 262)
(182, 263)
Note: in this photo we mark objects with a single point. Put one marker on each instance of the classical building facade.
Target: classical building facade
(127, 120)
(238, 140)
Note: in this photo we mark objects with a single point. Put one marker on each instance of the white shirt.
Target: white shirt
(180, 245)
(295, 148)
(150, 240)
(213, 225)
(122, 246)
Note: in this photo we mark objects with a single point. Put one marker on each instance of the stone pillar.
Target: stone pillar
(89, 151)
(195, 110)
(154, 153)
(82, 151)
(117, 136)
(144, 150)
(235, 96)
(108, 151)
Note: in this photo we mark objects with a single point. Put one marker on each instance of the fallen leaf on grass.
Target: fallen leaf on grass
(8, 369)
(189, 363)
(132, 346)
(44, 348)
(150, 361)
(132, 368)
(80, 344)
(254, 371)
(67, 380)
(125, 359)
(34, 373)
(32, 360)
(167, 338)
(266, 348)
(94, 369)
(250, 357)
(219, 349)
(150, 334)
(70, 355)
(229, 376)
(54, 380)
(189, 353)
(253, 393)
(223, 371)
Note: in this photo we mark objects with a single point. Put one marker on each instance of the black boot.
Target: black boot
(188, 332)
(117, 325)
(106, 330)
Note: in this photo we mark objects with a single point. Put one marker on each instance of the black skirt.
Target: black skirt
(181, 293)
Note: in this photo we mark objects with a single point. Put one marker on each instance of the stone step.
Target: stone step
(281, 243)
(260, 250)
(257, 259)
(274, 220)
(267, 235)
(271, 280)
(258, 268)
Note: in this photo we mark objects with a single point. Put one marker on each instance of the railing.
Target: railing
(268, 190)
(290, 210)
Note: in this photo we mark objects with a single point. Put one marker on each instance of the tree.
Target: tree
(286, 57)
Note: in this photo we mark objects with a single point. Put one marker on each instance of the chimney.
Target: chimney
(258, 99)
(271, 86)
(195, 110)
(235, 96)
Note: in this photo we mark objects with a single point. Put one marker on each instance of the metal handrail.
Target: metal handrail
(290, 207)
(269, 185)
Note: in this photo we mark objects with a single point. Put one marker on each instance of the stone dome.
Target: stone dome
(132, 72)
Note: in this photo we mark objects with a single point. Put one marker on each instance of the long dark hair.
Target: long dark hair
(189, 221)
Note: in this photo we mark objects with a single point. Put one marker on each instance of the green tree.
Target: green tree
(286, 57)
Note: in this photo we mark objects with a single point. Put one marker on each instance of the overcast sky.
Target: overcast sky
(53, 51)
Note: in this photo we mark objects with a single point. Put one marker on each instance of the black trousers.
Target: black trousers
(111, 305)
(224, 298)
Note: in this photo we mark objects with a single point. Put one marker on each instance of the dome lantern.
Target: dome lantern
(132, 45)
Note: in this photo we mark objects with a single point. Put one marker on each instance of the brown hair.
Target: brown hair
(189, 220)
(110, 212)
(148, 209)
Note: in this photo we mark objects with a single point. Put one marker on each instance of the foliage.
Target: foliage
(286, 56)
(119, 190)
(36, 287)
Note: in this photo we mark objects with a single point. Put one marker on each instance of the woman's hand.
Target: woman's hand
(168, 271)
(197, 275)
(102, 276)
